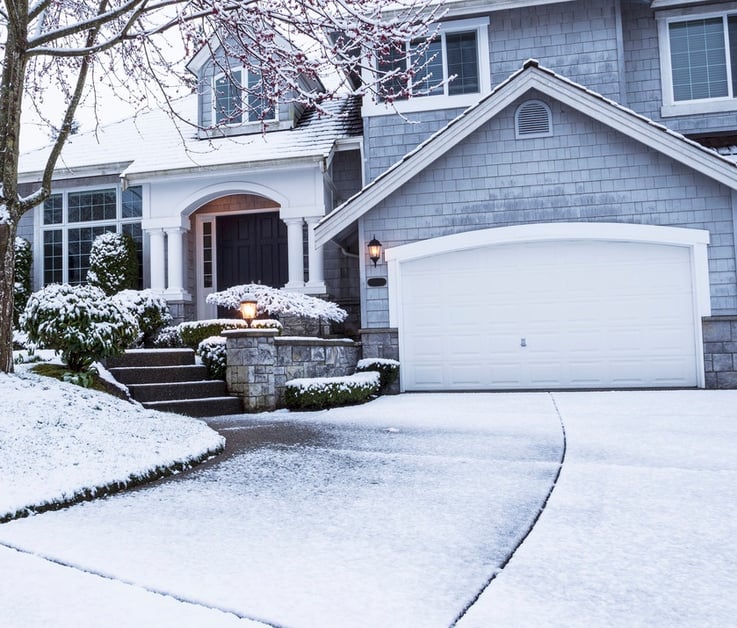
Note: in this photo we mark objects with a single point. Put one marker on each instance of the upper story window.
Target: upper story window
(459, 50)
(698, 56)
(236, 101)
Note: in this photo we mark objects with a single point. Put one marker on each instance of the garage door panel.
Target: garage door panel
(591, 313)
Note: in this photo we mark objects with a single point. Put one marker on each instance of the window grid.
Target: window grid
(207, 254)
(703, 58)
(80, 216)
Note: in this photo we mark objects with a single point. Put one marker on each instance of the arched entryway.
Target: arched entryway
(241, 239)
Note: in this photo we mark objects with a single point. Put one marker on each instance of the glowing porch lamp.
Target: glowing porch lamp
(248, 309)
(374, 249)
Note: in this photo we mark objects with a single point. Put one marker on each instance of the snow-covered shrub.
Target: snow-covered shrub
(267, 323)
(80, 322)
(194, 332)
(21, 277)
(113, 263)
(151, 311)
(168, 338)
(327, 392)
(275, 302)
(387, 369)
(214, 356)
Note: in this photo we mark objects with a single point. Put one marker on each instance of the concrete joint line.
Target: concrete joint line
(178, 598)
(505, 562)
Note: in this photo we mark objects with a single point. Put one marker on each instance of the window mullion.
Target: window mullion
(444, 52)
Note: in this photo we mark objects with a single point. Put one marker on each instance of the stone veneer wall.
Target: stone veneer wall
(720, 351)
(382, 342)
(259, 363)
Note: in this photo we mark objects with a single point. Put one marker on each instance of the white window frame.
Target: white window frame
(245, 74)
(65, 225)
(372, 107)
(671, 107)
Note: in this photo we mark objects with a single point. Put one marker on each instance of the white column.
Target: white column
(157, 260)
(175, 260)
(295, 251)
(315, 256)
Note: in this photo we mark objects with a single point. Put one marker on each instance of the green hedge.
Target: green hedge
(194, 332)
(319, 393)
(387, 369)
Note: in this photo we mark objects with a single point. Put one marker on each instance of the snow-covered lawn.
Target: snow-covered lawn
(59, 442)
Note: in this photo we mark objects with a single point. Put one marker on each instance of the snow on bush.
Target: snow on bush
(214, 356)
(113, 263)
(275, 302)
(193, 333)
(22, 277)
(151, 311)
(387, 369)
(168, 337)
(318, 393)
(80, 322)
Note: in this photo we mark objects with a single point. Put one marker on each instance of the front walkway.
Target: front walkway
(397, 513)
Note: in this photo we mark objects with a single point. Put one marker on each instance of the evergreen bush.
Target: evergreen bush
(151, 311)
(387, 369)
(80, 322)
(319, 393)
(113, 263)
(214, 356)
(21, 277)
(168, 338)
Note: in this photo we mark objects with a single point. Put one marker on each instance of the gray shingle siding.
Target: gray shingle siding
(577, 40)
(584, 172)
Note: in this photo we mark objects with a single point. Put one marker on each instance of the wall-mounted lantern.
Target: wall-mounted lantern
(248, 309)
(374, 249)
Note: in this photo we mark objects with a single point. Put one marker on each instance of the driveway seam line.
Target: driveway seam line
(129, 583)
(509, 556)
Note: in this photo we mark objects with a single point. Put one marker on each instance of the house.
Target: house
(559, 215)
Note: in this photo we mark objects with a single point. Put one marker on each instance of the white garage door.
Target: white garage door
(546, 315)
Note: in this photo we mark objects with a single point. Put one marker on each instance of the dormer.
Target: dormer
(235, 99)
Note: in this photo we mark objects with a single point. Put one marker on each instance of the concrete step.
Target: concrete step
(152, 357)
(172, 391)
(158, 374)
(213, 406)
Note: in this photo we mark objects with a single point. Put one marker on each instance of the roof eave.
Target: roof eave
(530, 77)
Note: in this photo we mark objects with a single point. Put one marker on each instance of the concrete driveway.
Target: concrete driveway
(403, 512)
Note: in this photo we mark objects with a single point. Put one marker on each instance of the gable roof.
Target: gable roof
(152, 144)
(530, 77)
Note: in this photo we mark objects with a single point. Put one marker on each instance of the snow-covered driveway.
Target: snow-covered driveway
(398, 512)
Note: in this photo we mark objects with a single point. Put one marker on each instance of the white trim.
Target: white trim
(696, 240)
(531, 77)
(442, 101)
(245, 110)
(672, 107)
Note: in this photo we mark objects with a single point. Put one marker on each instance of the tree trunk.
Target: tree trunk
(7, 267)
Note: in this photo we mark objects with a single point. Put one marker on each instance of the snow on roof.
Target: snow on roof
(154, 143)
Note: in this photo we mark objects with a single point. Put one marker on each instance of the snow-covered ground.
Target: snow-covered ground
(398, 512)
(59, 441)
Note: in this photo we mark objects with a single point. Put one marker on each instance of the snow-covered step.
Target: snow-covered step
(158, 374)
(178, 390)
(152, 357)
(211, 406)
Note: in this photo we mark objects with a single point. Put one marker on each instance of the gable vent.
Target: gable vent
(533, 119)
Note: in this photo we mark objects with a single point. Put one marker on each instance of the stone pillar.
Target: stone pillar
(251, 358)
(295, 251)
(382, 342)
(315, 257)
(157, 260)
(175, 260)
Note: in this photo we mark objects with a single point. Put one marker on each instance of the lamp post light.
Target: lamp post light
(374, 249)
(248, 310)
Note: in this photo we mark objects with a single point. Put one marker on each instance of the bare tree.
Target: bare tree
(67, 47)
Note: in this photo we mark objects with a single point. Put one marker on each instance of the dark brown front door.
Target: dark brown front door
(251, 248)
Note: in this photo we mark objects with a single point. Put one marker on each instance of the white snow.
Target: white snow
(58, 440)
(399, 511)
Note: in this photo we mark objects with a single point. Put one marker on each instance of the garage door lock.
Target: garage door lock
(523, 342)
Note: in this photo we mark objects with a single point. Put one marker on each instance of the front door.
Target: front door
(251, 248)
